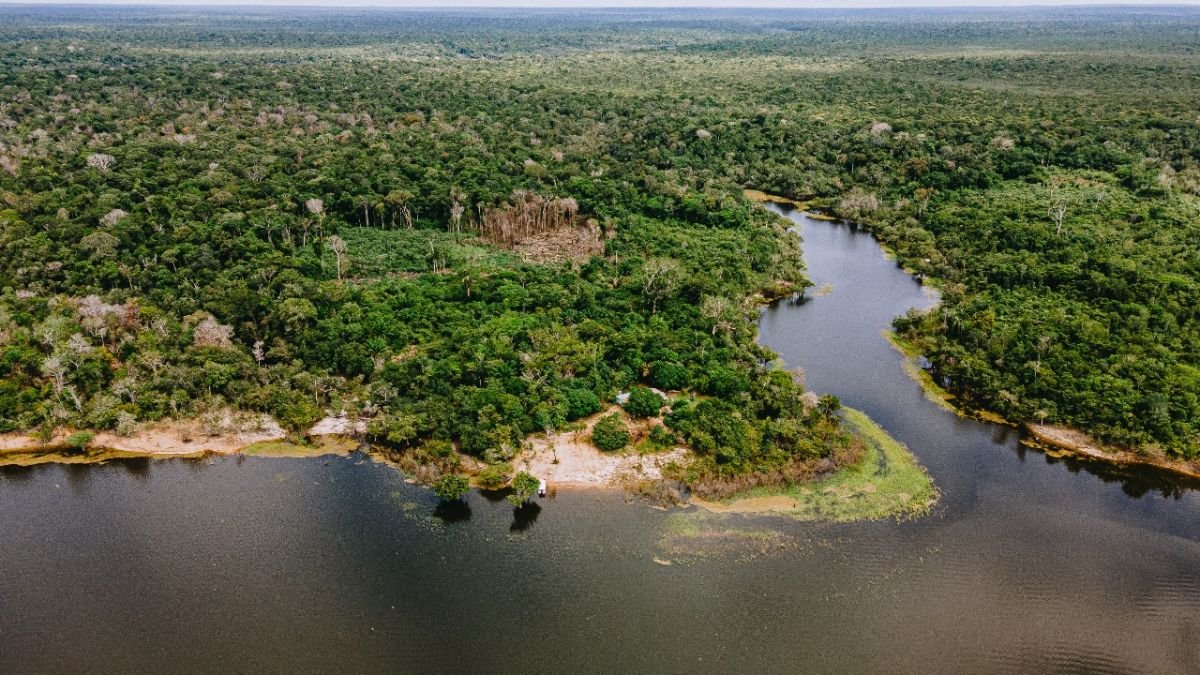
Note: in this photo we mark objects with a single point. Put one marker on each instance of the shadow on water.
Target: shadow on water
(457, 511)
(1135, 481)
(495, 496)
(524, 516)
(138, 467)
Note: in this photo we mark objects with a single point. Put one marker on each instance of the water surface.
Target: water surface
(336, 565)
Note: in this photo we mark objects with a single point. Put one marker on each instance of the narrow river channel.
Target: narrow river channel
(1028, 564)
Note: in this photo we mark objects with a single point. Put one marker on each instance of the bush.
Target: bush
(495, 476)
(643, 402)
(662, 437)
(80, 439)
(581, 403)
(451, 486)
(610, 433)
(669, 376)
(726, 382)
(524, 486)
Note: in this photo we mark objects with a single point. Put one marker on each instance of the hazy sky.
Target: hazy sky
(619, 3)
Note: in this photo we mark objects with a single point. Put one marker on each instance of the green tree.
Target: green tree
(451, 486)
(610, 433)
(524, 487)
(643, 402)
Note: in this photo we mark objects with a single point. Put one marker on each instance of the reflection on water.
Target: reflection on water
(453, 512)
(524, 516)
(1029, 564)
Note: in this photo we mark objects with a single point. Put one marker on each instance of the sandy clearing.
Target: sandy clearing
(581, 463)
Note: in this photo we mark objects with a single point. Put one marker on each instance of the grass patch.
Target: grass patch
(694, 536)
(377, 253)
(933, 391)
(888, 482)
(322, 445)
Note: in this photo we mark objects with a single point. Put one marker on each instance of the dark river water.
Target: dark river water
(1028, 564)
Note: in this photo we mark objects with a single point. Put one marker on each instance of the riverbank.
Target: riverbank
(932, 390)
(1057, 440)
(568, 458)
(1050, 438)
(887, 482)
(257, 435)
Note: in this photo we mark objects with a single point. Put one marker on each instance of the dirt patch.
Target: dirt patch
(760, 197)
(570, 458)
(575, 243)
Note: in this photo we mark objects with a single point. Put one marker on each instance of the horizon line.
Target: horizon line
(460, 5)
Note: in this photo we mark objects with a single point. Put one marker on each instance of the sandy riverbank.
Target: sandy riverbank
(1052, 438)
(570, 459)
(762, 197)
(255, 435)
(1048, 437)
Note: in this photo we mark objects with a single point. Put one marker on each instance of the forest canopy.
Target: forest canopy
(471, 227)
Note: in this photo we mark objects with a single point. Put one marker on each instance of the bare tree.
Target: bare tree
(338, 246)
(57, 370)
(456, 213)
(722, 311)
(100, 161)
(528, 215)
(1058, 205)
(209, 333)
(1057, 213)
(660, 278)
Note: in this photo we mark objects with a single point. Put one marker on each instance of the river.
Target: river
(337, 565)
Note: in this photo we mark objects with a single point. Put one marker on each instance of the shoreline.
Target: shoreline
(1058, 440)
(888, 482)
(176, 440)
(1049, 438)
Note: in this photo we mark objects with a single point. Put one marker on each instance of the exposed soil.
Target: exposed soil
(1051, 437)
(568, 243)
(570, 458)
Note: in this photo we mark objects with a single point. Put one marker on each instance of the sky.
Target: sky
(798, 4)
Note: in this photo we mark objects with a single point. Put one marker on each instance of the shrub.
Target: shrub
(495, 476)
(581, 403)
(451, 486)
(610, 433)
(524, 486)
(643, 402)
(80, 439)
(669, 376)
(726, 382)
(662, 437)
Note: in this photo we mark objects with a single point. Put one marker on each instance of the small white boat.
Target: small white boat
(542, 488)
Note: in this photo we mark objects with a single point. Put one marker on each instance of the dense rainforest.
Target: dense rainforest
(474, 226)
